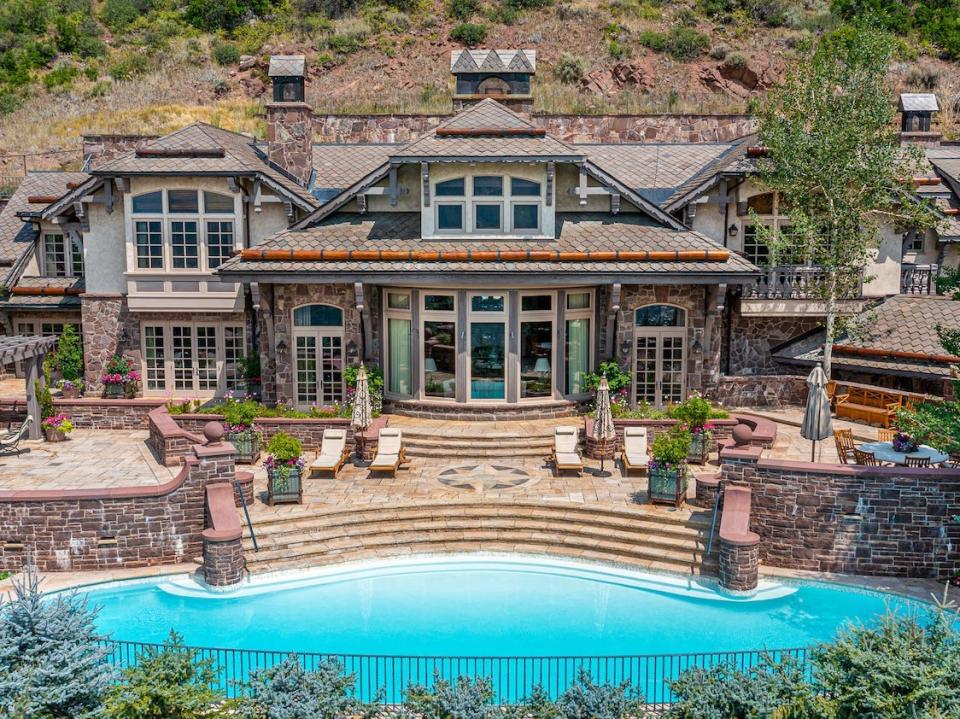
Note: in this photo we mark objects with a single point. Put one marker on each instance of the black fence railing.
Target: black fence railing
(385, 678)
(919, 279)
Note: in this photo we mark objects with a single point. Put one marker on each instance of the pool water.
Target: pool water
(472, 606)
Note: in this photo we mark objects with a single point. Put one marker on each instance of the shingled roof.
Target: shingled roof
(338, 166)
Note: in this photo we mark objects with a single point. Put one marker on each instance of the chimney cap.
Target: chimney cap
(287, 66)
(473, 61)
(919, 102)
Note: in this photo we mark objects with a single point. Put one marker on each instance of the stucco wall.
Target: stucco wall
(104, 250)
(271, 219)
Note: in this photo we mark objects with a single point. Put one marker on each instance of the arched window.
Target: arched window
(660, 316)
(451, 188)
(318, 316)
(151, 202)
(761, 204)
(214, 202)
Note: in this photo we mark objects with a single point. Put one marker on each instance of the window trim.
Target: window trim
(69, 258)
(462, 204)
(499, 230)
(526, 230)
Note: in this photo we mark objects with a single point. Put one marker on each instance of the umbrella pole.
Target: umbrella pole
(813, 451)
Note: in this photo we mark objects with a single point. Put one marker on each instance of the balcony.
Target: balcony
(919, 279)
(797, 290)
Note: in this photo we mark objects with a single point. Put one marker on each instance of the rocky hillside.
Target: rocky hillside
(72, 66)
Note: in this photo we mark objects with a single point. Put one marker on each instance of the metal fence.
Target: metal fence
(385, 679)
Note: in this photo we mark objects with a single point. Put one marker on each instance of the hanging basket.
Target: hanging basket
(668, 485)
(247, 444)
(284, 485)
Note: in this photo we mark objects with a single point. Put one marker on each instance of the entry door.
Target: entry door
(319, 368)
(194, 357)
(659, 368)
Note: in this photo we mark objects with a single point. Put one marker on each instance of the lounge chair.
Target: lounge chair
(634, 454)
(565, 455)
(11, 440)
(390, 454)
(332, 452)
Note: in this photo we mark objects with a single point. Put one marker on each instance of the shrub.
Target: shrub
(50, 663)
(671, 447)
(287, 691)
(527, 4)
(61, 76)
(617, 378)
(469, 33)
(719, 51)
(685, 43)
(284, 448)
(223, 14)
(694, 411)
(737, 59)
(465, 699)
(44, 398)
(128, 65)
(923, 77)
(463, 10)
(586, 700)
(240, 413)
(117, 14)
(617, 49)
(79, 33)
(569, 69)
(171, 682)
(225, 53)
(68, 359)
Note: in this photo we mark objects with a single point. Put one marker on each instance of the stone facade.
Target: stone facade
(223, 563)
(76, 530)
(739, 566)
(891, 521)
(100, 149)
(290, 138)
(751, 339)
(760, 391)
(571, 128)
(108, 329)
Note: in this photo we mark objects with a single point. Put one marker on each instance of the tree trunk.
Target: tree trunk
(831, 321)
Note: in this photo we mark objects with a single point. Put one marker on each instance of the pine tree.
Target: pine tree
(51, 665)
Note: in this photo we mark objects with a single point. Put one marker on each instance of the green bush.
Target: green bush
(617, 377)
(239, 413)
(347, 43)
(685, 43)
(68, 359)
(44, 398)
(463, 10)
(287, 691)
(225, 53)
(117, 14)
(61, 76)
(671, 447)
(224, 14)
(464, 699)
(128, 65)
(469, 33)
(284, 448)
(79, 33)
(569, 69)
(695, 411)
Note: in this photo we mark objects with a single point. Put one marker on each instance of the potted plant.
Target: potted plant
(238, 416)
(119, 379)
(694, 412)
(67, 363)
(57, 427)
(70, 389)
(903, 442)
(284, 469)
(668, 468)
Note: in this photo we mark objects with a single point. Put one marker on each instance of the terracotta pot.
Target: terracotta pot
(54, 435)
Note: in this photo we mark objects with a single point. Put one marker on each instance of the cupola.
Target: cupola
(503, 75)
(916, 115)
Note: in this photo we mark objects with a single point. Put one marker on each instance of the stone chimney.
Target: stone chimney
(503, 75)
(290, 118)
(101, 149)
(916, 115)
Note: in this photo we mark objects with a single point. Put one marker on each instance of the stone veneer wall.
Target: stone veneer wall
(760, 391)
(751, 338)
(72, 530)
(893, 521)
(290, 138)
(89, 413)
(108, 329)
(572, 128)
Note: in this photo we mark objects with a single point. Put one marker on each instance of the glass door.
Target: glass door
(319, 368)
(488, 379)
(659, 376)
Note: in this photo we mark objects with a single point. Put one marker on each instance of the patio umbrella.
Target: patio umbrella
(817, 423)
(362, 415)
(603, 429)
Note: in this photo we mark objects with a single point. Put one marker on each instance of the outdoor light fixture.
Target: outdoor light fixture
(733, 230)
(281, 346)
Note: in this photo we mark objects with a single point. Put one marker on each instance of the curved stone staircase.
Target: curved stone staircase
(315, 535)
(479, 440)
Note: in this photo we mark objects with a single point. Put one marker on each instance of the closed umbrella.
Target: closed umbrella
(817, 423)
(603, 429)
(362, 415)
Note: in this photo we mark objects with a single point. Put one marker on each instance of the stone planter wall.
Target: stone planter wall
(88, 413)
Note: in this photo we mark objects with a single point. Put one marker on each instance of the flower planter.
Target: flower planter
(247, 444)
(668, 485)
(70, 392)
(54, 435)
(699, 448)
(284, 485)
(113, 391)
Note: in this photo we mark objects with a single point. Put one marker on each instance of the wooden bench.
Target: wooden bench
(873, 406)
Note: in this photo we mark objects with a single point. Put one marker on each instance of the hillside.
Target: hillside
(72, 66)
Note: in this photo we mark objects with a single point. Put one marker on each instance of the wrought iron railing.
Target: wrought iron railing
(919, 279)
(386, 678)
(801, 282)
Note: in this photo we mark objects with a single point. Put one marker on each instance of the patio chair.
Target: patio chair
(886, 435)
(332, 452)
(845, 446)
(10, 442)
(390, 453)
(865, 458)
(634, 454)
(565, 455)
(916, 462)
(954, 461)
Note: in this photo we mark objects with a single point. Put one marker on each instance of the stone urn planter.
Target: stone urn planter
(668, 485)
(247, 444)
(284, 485)
(54, 435)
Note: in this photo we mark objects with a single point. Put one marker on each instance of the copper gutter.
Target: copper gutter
(256, 255)
(952, 211)
(46, 291)
(926, 181)
(41, 199)
(894, 354)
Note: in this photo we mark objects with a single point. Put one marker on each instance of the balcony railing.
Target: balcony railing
(801, 282)
(919, 279)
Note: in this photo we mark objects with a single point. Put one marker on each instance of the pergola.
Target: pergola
(30, 351)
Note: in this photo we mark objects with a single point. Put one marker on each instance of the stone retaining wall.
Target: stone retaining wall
(766, 390)
(73, 530)
(466, 413)
(739, 566)
(854, 519)
(89, 413)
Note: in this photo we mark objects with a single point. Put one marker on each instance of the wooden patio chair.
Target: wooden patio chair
(332, 452)
(10, 442)
(886, 435)
(845, 446)
(916, 462)
(390, 453)
(865, 458)
(634, 454)
(565, 455)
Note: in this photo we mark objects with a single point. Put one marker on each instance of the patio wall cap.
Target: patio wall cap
(748, 452)
(224, 521)
(853, 470)
(211, 451)
(200, 417)
(221, 535)
(90, 402)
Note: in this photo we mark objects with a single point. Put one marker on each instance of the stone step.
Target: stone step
(474, 434)
(464, 453)
(479, 442)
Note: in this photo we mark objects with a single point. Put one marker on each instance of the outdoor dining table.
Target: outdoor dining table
(884, 452)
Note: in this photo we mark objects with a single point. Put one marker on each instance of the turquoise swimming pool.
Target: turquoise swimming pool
(484, 607)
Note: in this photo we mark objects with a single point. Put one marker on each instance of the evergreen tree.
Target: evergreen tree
(51, 666)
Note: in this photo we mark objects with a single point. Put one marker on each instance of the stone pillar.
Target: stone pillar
(739, 564)
(290, 138)
(223, 562)
(707, 486)
(108, 329)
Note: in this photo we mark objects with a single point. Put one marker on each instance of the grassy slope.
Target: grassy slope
(399, 62)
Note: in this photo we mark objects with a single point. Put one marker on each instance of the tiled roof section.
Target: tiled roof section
(240, 156)
(337, 167)
(524, 61)
(918, 102)
(575, 232)
(903, 322)
(287, 66)
(75, 285)
(488, 114)
(16, 235)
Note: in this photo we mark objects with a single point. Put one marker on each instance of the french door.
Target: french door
(197, 358)
(659, 367)
(319, 367)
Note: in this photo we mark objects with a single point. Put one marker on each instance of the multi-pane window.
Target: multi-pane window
(185, 250)
(219, 242)
(202, 357)
(492, 204)
(233, 354)
(755, 249)
(55, 255)
(76, 255)
(149, 245)
(155, 359)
